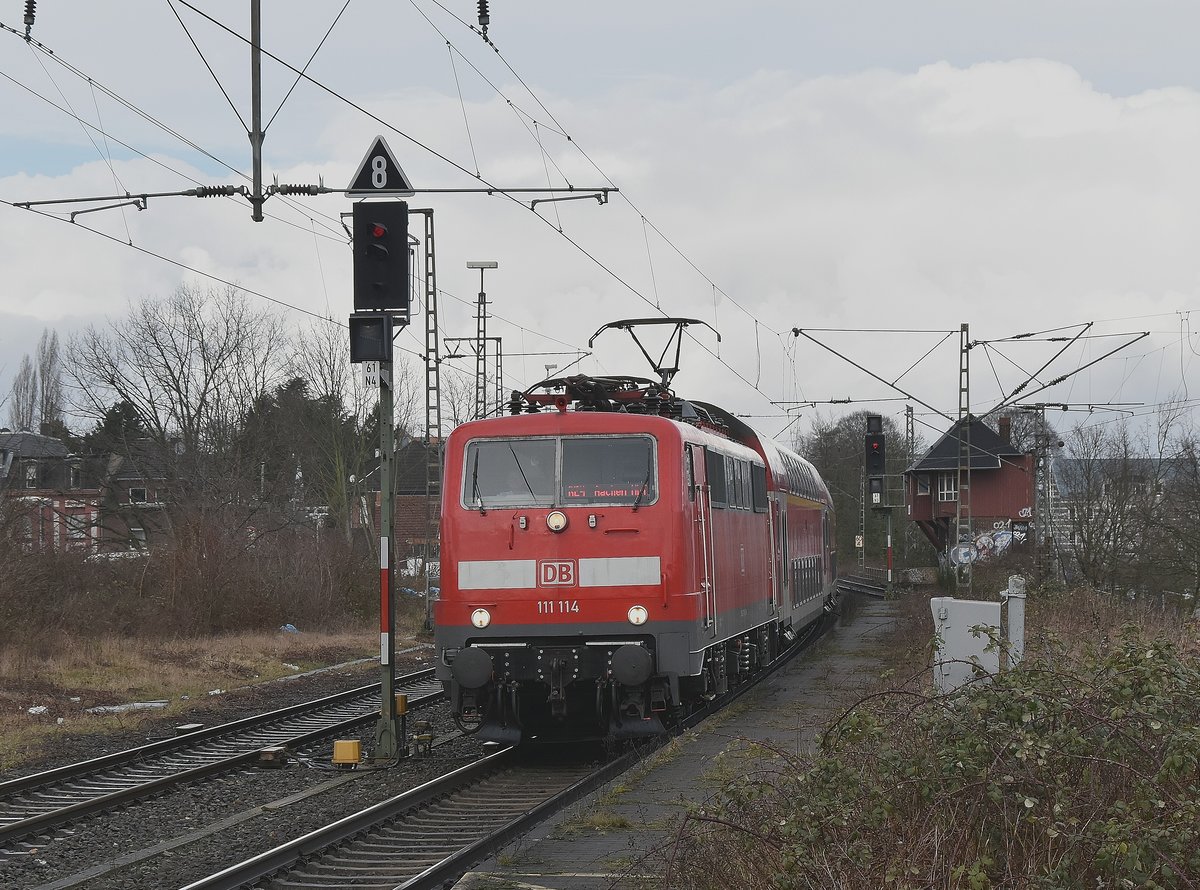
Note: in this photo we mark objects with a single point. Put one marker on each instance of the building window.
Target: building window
(948, 487)
(74, 477)
(77, 526)
(922, 484)
(31, 475)
(137, 537)
(137, 495)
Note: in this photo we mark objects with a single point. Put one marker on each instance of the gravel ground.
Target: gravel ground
(65, 859)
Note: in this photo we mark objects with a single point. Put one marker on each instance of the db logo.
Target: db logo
(556, 573)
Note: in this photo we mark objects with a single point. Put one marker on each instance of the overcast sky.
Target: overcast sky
(1019, 167)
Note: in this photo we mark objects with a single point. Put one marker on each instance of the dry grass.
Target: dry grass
(176, 624)
(110, 667)
(79, 674)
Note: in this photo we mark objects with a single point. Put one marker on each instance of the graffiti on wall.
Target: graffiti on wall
(990, 543)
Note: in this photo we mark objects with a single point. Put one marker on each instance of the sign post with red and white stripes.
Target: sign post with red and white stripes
(387, 742)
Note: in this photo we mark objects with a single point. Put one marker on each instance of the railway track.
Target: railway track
(39, 803)
(426, 837)
(870, 586)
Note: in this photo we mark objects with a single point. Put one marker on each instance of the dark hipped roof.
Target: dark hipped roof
(26, 444)
(987, 450)
(141, 460)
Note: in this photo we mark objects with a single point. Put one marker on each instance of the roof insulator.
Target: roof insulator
(484, 18)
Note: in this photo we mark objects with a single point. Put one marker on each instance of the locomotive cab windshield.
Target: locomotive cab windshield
(560, 472)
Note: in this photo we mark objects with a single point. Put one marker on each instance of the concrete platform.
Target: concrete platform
(601, 841)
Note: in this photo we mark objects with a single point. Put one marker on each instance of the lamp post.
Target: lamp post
(481, 339)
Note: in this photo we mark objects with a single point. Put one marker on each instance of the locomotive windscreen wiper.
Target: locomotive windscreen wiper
(645, 482)
(521, 470)
(475, 484)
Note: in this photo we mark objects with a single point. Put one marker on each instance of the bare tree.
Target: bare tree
(322, 359)
(1112, 486)
(458, 396)
(1025, 427)
(22, 402)
(190, 365)
(50, 384)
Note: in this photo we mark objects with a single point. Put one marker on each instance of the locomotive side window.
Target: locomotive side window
(509, 473)
(715, 464)
(608, 470)
(689, 473)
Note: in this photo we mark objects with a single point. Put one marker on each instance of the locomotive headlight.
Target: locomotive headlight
(481, 618)
(638, 615)
(556, 521)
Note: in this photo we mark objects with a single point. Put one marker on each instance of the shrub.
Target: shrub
(1079, 768)
(207, 583)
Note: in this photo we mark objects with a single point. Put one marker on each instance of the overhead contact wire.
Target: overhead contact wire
(200, 53)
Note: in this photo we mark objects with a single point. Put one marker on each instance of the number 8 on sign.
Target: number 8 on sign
(379, 174)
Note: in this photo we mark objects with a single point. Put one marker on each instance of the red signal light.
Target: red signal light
(378, 230)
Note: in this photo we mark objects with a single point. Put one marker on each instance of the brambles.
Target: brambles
(1081, 768)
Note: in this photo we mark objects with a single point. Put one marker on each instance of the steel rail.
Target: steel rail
(315, 858)
(31, 803)
(859, 584)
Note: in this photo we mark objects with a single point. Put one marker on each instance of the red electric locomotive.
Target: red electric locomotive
(613, 554)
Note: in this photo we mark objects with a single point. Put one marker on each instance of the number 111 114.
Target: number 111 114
(557, 607)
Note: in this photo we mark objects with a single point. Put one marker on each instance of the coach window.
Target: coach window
(715, 464)
(758, 480)
(608, 470)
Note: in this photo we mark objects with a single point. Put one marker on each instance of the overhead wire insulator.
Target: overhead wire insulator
(30, 14)
(484, 18)
(214, 191)
(297, 189)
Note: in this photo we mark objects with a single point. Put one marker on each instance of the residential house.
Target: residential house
(135, 496)
(54, 495)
